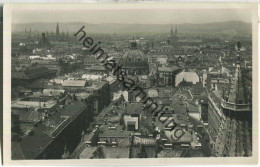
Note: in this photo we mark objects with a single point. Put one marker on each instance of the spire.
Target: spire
(57, 29)
(171, 31)
(65, 154)
(176, 30)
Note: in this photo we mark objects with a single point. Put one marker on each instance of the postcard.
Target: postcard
(130, 84)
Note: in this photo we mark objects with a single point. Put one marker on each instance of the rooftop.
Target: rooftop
(31, 145)
(133, 108)
(168, 69)
(32, 72)
(115, 132)
(82, 95)
(115, 152)
(74, 83)
(34, 104)
(88, 152)
(193, 108)
(53, 92)
(170, 153)
(97, 85)
(59, 120)
(96, 67)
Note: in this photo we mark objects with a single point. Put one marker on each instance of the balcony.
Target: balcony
(235, 107)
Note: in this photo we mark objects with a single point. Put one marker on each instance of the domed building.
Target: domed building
(134, 61)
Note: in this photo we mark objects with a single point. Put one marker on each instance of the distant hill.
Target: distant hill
(217, 27)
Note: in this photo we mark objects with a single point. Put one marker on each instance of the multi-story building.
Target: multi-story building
(101, 95)
(46, 138)
(167, 75)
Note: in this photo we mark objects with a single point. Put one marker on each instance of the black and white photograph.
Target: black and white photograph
(131, 82)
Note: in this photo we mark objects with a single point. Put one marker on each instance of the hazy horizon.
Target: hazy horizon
(132, 16)
(130, 23)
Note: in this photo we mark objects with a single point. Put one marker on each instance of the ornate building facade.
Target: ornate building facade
(230, 118)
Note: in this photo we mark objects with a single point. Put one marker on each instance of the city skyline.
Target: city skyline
(133, 82)
(217, 27)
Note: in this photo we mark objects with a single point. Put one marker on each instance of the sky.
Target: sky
(131, 16)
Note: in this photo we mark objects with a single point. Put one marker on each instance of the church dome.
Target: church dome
(134, 61)
(134, 55)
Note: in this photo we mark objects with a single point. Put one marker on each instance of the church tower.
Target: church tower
(176, 33)
(57, 30)
(234, 135)
(172, 35)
